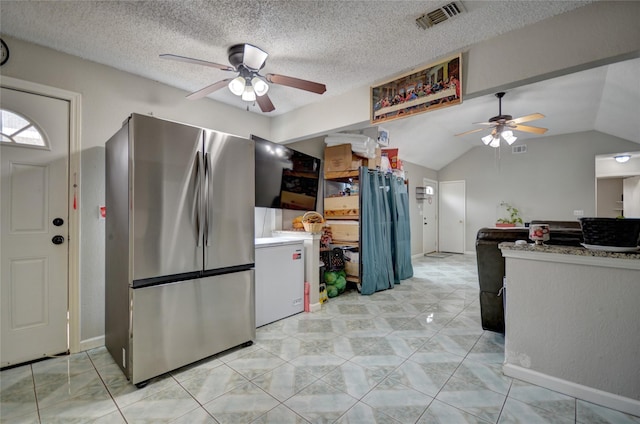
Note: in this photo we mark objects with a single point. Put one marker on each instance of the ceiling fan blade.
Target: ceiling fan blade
(526, 128)
(483, 123)
(196, 61)
(265, 103)
(527, 118)
(208, 89)
(253, 57)
(471, 131)
(314, 87)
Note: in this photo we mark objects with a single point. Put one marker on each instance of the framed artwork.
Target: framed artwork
(432, 87)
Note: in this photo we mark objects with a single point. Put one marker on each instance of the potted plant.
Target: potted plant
(513, 219)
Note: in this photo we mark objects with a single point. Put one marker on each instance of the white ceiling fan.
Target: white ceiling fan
(504, 125)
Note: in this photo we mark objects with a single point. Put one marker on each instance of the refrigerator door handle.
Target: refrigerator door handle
(198, 197)
(208, 185)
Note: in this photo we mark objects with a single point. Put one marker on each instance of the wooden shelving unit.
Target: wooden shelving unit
(344, 208)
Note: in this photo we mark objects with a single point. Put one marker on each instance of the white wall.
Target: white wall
(631, 192)
(555, 177)
(608, 197)
(108, 97)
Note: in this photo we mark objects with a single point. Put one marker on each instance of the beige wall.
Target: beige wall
(555, 177)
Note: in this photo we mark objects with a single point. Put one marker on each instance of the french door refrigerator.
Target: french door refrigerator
(179, 280)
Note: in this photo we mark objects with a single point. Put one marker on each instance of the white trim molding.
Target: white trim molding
(599, 397)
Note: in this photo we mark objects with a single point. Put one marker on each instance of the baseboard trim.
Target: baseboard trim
(91, 343)
(589, 394)
(315, 307)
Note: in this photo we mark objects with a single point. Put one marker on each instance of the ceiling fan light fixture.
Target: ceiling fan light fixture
(509, 137)
(622, 158)
(487, 139)
(495, 143)
(237, 85)
(249, 95)
(259, 86)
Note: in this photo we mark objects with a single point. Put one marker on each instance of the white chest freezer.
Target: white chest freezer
(279, 278)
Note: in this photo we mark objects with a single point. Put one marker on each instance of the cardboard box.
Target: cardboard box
(337, 158)
(340, 158)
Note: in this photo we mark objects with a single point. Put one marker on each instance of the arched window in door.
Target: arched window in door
(17, 130)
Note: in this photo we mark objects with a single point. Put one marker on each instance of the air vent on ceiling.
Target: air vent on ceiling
(519, 149)
(439, 15)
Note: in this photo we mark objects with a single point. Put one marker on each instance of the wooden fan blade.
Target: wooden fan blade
(265, 103)
(208, 89)
(196, 61)
(483, 123)
(526, 128)
(314, 87)
(471, 131)
(527, 118)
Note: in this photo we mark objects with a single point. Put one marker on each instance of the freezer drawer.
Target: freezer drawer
(179, 323)
(279, 279)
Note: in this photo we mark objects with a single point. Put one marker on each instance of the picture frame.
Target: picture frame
(434, 86)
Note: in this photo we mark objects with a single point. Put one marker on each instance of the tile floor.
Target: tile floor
(414, 354)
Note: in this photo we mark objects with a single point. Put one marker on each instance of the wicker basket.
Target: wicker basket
(618, 232)
(313, 222)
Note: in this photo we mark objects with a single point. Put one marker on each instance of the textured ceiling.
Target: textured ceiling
(343, 44)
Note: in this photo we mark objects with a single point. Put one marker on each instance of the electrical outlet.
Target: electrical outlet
(578, 212)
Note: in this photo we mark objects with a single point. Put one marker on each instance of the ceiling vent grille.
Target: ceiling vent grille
(439, 15)
(519, 149)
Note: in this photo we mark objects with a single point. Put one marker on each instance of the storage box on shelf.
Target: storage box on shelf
(344, 231)
(340, 158)
(342, 207)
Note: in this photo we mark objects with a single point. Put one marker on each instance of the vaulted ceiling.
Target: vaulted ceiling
(343, 44)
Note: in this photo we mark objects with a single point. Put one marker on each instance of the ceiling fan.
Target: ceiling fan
(502, 125)
(247, 60)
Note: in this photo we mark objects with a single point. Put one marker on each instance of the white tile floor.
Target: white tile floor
(413, 354)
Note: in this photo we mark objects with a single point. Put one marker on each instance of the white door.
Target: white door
(452, 207)
(34, 225)
(429, 220)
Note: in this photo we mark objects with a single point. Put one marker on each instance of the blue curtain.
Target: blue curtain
(385, 248)
(401, 230)
(375, 246)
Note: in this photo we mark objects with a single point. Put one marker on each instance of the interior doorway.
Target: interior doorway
(430, 216)
(35, 216)
(54, 167)
(452, 216)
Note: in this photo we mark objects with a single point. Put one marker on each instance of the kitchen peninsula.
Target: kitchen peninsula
(573, 322)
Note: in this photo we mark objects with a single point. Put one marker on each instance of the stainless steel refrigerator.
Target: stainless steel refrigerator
(179, 281)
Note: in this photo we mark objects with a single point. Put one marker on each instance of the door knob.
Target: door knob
(58, 222)
(57, 240)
